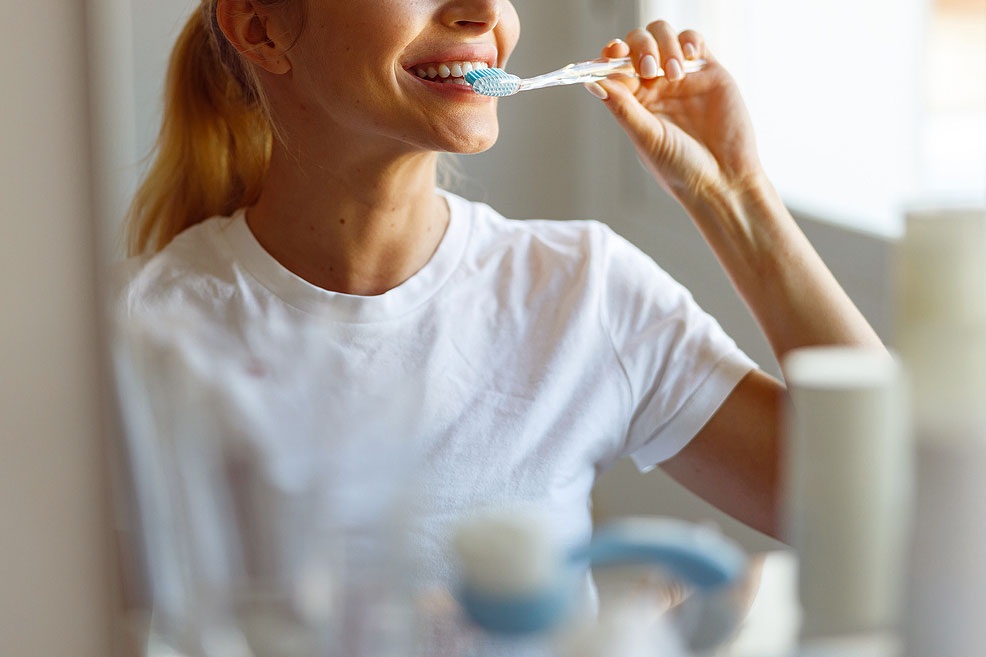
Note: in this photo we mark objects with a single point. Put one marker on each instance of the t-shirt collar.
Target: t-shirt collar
(351, 308)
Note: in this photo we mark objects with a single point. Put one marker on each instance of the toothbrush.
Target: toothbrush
(497, 82)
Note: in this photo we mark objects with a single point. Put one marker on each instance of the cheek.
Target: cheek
(353, 40)
(508, 31)
(342, 69)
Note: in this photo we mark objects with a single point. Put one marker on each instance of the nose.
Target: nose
(475, 15)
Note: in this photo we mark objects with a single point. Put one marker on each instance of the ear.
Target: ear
(257, 33)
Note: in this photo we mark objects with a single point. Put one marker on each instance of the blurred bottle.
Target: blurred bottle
(942, 339)
(848, 492)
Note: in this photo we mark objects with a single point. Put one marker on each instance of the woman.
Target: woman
(543, 351)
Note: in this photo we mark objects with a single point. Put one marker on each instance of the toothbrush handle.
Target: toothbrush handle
(599, 69)
(594, 70)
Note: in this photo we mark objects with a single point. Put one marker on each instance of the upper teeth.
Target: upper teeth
(448, 69)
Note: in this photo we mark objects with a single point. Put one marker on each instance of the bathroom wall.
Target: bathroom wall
(134, 41)
(156, 25)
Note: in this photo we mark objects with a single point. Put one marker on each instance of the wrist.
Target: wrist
(744, 221)
(757, 196)
(739, 199)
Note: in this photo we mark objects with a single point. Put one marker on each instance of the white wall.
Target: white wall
(156, 25)
(54, 574)
(132, 41)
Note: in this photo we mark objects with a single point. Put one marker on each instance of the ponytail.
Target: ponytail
(214, 147)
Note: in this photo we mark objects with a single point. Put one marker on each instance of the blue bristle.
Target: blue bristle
(472, 76)
(493, 82)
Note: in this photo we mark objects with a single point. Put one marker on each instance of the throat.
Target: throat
(353, 256)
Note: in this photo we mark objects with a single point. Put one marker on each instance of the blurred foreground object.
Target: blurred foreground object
(268, 518)
(942, 338)
(517, 585)
(848, 489)
(57, 593)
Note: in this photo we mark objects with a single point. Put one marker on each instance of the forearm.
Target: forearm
(792, 294)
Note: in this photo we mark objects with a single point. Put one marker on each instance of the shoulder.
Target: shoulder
(196, 262)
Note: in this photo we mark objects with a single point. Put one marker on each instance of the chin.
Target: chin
(472, 139)
(476, 146)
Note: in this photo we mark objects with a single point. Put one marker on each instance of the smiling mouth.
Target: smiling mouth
(447, 72)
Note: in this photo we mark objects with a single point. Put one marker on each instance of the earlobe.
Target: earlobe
(251, 29)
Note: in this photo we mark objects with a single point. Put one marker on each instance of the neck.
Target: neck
(350, 221)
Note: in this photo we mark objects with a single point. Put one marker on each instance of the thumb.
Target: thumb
(645, 130)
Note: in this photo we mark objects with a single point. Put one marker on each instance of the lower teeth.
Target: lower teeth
(461, 81)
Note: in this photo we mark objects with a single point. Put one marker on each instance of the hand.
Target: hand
(692, 131)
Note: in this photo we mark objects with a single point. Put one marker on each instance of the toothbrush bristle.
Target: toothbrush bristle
(493, 82)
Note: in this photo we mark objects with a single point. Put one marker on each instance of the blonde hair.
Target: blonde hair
(214, 147)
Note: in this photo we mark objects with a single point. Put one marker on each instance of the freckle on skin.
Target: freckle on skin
(342, 221)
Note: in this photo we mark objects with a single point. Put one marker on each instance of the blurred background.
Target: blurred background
(862, 108)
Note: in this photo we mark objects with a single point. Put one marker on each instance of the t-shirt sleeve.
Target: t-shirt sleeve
(679, 363)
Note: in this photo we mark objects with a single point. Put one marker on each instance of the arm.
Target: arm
(695, 136)
(734, 462)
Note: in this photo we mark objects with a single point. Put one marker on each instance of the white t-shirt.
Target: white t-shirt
(521, 361)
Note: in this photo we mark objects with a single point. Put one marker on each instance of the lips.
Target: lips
(444, 69)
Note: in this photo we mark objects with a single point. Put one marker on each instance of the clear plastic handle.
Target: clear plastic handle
(597, 69)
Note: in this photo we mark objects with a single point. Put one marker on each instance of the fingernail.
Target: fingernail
(691, 52)
(614, 42)
(648, 67)
(596, 90)
(673, 70)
